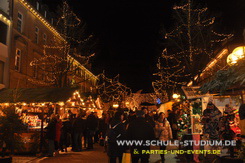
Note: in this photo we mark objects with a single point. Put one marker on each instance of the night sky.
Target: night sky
(128, 33)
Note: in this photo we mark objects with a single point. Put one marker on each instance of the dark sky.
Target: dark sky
(128, 33)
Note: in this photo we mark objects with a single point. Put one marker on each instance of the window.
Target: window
(17, 60)
(36, 34)
(45, 14)
(1, 71)
(35, 71)
(38, 5)
(43, 77)
(44, 38)
(19, 22)
(3, 33)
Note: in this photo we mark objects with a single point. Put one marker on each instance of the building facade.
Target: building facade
(5, 28)
(33, 28)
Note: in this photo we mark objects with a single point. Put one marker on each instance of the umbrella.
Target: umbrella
(146, 104)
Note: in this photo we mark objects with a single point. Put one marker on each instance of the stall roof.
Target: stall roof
(36, 95)
(192, 92)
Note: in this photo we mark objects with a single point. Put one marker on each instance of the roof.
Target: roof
(192, 92)
(36, 95)
(223, 80)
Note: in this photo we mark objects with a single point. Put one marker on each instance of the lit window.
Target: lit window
(17, 59)
(44, 38)
(52, 20)
(45, 14)
(19, 22)
(38, 5)
(36, 34)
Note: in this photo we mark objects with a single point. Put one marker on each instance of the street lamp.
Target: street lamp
(236, 55)
(176, 96)
(115, 105)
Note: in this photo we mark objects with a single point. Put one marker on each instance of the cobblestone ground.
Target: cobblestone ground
(93, 156)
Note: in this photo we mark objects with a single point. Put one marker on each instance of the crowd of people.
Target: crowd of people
(135, 125)
(142, 125)
(71, 130)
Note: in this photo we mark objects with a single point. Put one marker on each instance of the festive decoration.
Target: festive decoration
(5, 19)
(197, 108)
(111, 90)
(61, 60)
(184, 121)
(11, 127)
(190, 46)
(38, 16)
(225, 79)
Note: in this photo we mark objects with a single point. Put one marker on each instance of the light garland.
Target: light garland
(178, 66)
(111, 90)
(5, 19)
(57, 61)
(37, 15)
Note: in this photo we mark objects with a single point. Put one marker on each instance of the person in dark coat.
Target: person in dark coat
(51, 134)
(131, 116)
(115, 151)
(242, 120)
(65, 138)
(78, 129)
(172, 118)
(148, 118)
(96, 135)
(103, 125)
(92, 125)
(140, 130)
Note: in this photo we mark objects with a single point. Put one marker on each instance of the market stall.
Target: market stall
(214, 117)
(35, 106)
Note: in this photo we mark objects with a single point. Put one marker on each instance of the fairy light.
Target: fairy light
(174, 68)
(57, 60)
(54, 31)
(5, 19)
(112, 89)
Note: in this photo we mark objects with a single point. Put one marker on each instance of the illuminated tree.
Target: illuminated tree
(72, 43)
(190, 45)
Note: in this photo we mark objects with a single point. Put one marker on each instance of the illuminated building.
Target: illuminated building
(5, 27)
(33, 27)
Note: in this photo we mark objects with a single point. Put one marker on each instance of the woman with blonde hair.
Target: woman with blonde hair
(163, 131)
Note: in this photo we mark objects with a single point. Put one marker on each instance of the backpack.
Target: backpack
(111, 135)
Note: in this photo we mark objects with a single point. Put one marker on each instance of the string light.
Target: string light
(58, 61)
(178, 66)
(112, 89)
(5, 19)
(52, 29)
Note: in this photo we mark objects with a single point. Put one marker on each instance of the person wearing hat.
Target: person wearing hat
(140, 129)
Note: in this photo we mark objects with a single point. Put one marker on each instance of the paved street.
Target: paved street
(97, 155)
